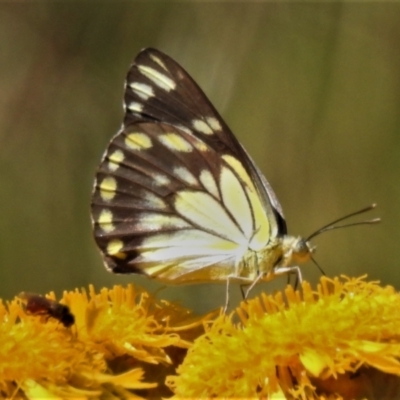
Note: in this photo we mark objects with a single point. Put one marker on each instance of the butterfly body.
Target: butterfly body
(177, 198)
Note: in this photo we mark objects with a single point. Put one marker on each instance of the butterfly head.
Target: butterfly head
(296, 250)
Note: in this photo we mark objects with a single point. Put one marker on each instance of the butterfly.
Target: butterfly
(176, 196)
(35, 304)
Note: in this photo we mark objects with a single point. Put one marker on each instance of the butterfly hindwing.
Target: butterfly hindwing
(176, 196)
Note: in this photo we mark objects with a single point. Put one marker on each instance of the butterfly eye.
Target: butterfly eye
(302, 250)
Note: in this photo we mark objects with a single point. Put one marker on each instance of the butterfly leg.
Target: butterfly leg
(290, 270)
(296, 279)
(227, 295)
(252, 284)
(244, 296)
(242, 286)
(277, 272)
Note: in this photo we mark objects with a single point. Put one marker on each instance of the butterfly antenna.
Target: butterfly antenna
(331, 226)
(318, 266)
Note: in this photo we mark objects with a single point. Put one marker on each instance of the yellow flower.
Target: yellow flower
(341, 341)
(122, 339)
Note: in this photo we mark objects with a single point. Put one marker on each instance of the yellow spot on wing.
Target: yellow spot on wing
(184, 129)
(209, 183)
(195, 142)
(161, 180)
(202, 127)
(162, 81)
(135, 107)
(107, 188)
(262, 233)
(202, 210)
(200, 145)
(142, 90)
(235, 200)
(262, 226)
(185, 175)
(114, 247)
(105, 221)
(237, 166)
(158, 61)
(138, 141)
(153, 221)
(175, 142)
(214, 123)
(153, 201)
(155, 270)
(115, 159)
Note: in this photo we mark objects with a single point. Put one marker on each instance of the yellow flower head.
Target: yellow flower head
(113, 343)
(299, 345)
(341, 341)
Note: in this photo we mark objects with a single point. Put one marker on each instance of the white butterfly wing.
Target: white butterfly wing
(176, 197)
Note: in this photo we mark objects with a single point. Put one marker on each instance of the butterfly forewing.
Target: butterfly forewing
(176, 196)
(158, 89)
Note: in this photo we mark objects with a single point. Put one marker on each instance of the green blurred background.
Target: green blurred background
(311, 90)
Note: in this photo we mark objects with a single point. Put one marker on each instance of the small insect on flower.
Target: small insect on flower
(35, 304)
